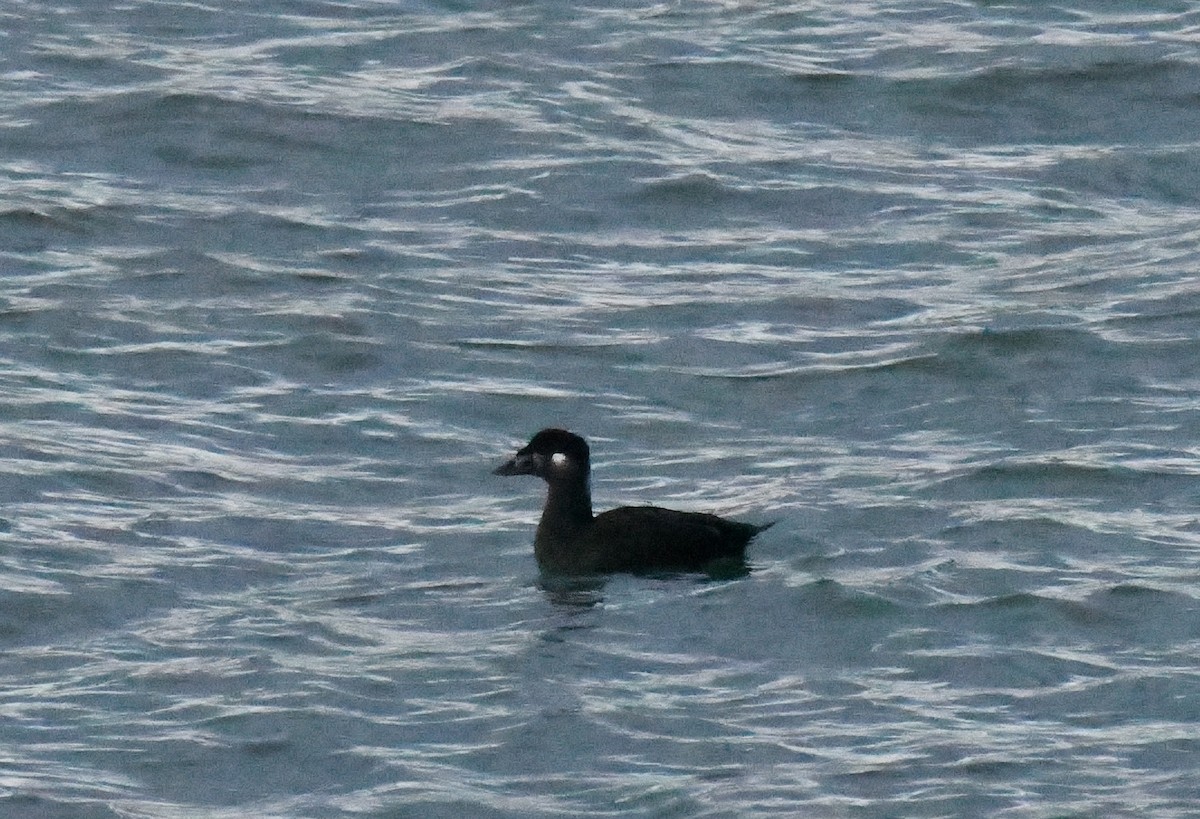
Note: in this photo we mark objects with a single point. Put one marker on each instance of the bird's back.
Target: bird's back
(649, 538)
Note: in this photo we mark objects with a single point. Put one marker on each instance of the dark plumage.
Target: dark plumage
(627, 539)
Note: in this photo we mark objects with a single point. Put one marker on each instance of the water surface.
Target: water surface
(282, 283)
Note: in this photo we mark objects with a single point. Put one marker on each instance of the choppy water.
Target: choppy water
(282, 282)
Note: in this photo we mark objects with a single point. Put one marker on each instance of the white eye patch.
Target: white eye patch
(558, 459)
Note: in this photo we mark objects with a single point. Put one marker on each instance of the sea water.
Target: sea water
(281, 283)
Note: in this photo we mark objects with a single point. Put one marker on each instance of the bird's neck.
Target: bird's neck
(568, 511)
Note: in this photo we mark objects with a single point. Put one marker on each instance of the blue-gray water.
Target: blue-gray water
(281, 282)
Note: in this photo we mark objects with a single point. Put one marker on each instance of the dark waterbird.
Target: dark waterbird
(571, 541)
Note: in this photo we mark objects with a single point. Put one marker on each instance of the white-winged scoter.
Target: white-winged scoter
(570, 541)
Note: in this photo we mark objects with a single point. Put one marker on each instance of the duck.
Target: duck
(571, 541)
